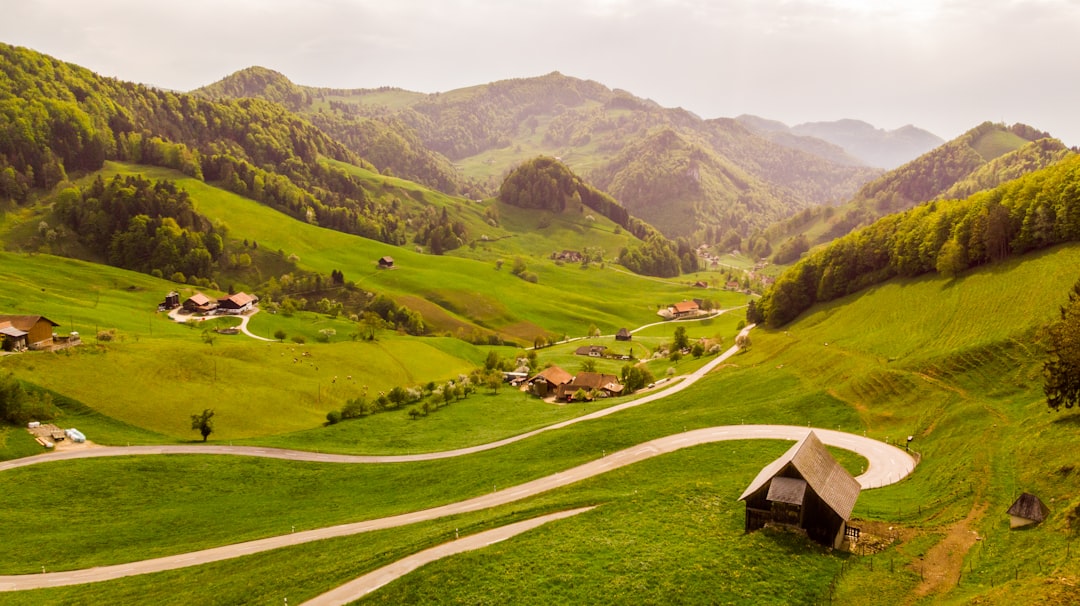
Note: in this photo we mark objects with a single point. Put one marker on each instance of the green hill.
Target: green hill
(984, 157)
(949, 236)
(488, 129)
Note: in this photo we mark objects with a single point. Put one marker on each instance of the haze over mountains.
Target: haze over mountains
(872, 146)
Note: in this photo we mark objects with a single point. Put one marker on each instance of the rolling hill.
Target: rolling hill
(488, 129)
(980, 159)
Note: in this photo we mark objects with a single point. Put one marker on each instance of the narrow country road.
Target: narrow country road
(358, 588)
(304, 455)
(176, 316)
(886, 465)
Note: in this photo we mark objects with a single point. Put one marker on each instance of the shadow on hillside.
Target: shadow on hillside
(1068, 419)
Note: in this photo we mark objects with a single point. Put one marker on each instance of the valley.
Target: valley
(462, 326)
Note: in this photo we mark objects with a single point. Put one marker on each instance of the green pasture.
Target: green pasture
(953, 363)
(565, 299)
(651, 517)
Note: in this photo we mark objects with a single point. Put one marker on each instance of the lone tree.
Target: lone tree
(680, 340)
(1062, 368)
(203, 423)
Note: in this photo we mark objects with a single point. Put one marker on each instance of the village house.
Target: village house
(386, 262)
(568, 256)
(623, 335)
(593, 351)
(20, 333)
(237, 303)
(683, 309)
(806, 488)
(199, 303)
(590, 382)
(548, 381)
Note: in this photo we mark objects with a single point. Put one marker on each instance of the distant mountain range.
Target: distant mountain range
(858, 140)
(688, 176)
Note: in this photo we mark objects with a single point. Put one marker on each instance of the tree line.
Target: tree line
(948, 236)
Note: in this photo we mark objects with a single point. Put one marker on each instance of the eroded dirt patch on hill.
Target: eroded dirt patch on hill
(943, 563)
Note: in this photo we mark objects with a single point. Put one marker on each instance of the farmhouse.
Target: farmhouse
(1027, 510)
(593, 351)
(26, 332)
(623, 335)
(683, 309)
(199, 303)
(549, 380)
(805, 488)
(590, 382)
(386, 262)
(237, 303)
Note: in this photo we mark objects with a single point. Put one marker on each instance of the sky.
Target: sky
(942, 65)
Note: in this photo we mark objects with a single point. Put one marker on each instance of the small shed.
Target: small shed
(623, 335)
(386, 262)
(805, 488)
(1027, 510)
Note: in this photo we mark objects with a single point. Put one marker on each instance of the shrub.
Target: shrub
(333, 417)
(299, 340)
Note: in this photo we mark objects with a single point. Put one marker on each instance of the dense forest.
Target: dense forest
(144, 225)
(947, 236)
(59, 117)
(547, 184)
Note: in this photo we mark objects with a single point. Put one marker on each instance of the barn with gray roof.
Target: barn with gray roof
(805, 488)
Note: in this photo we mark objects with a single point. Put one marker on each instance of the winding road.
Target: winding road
(886, 465)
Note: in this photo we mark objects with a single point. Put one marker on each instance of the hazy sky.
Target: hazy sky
(943, 65)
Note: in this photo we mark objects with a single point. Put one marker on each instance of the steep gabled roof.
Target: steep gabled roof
(24, 322)
(199, 299)
(1029, 507)
(827, 478)
(554, 375)
(622, 333)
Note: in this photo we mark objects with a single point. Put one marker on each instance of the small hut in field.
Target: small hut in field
(1027, 510)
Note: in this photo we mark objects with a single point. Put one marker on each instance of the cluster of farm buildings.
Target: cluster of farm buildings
(237, 303)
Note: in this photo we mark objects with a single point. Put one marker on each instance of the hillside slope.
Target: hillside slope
(982, 158)
(487, 129)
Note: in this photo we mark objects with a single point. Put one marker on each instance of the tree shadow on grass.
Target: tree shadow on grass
(1072, 418)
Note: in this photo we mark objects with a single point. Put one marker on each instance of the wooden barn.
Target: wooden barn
(386, 262)
(805, 488)
(623, 335)
(26, 332)
(1027, 510)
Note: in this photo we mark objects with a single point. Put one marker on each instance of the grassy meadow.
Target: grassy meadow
(470, 292)
(956, 364)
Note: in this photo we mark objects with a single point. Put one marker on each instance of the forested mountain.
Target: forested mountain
(871, 146)
(488, 129)
(391, 145)
(985, 156)
(948, 236)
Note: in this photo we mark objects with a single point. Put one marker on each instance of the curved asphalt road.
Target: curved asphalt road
(887, 464)
(304, 455)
